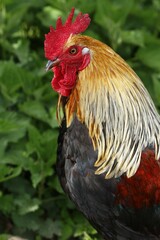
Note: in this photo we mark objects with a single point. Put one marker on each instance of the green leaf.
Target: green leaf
(150, 56)
(49, 15)
(36, 170)
(35, 109)
(115, 10)
(49, 228)
(21, 50)
(10, 80)
(34, 144)
(8, 172)
(30, 221)
(12, 127)
(67, 232)
(39, 170)
(56, 185)
(12, 122)
(135, 37)
(6, 203)
(25, 204)
(49, 145)
(19, 186)
(83, 7)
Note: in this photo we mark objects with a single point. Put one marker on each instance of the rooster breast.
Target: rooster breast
(107, 204)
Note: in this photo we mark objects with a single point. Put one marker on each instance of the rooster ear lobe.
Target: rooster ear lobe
(85, 51)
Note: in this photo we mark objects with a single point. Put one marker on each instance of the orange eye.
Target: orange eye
(73, 50)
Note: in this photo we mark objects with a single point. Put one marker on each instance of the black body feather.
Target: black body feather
(95, 196)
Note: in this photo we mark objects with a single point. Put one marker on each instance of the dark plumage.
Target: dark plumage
(97, 198)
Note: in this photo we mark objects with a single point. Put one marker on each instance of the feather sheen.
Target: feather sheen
(117, 109)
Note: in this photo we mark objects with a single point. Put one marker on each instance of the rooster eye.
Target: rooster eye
(73, 50)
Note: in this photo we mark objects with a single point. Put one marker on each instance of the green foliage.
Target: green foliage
(32, 203)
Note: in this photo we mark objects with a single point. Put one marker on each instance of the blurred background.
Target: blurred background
(32, 203)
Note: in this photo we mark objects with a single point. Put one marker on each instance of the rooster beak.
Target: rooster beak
(50, 64)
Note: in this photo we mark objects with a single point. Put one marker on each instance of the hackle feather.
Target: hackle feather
(117, 109)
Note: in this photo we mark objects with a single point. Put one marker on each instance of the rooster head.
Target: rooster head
(65, 60)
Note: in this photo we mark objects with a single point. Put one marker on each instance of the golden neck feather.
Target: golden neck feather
(112, 102)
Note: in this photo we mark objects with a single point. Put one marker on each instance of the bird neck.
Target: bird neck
(112, 102)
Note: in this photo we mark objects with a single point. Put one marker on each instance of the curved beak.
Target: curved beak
(50, 64)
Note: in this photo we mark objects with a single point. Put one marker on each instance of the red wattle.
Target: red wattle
(64, 84)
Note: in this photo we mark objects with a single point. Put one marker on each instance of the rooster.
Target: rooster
(109, 141)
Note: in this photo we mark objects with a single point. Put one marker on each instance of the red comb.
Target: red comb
(56, 38)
